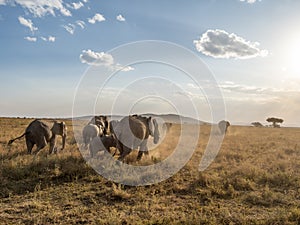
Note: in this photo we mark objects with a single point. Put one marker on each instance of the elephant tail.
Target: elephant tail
(12, 140)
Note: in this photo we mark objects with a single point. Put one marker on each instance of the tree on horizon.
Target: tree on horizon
(274, 121)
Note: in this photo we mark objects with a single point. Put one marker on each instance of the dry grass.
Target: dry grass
(255, 179)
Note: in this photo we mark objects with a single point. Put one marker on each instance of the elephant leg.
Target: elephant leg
(143, 150)
(140, 154)
(29, 145)
(41, 143)
(119, 146)
(125, 151)
(115, 152)
(92, 151)
(85, 140)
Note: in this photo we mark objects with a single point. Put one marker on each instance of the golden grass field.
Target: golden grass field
(255, 179)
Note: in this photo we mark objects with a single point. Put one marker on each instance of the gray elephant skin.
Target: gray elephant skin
(100, 121)
(40, 133)
(90, 131)
(132, 132)
(223, 126)
(101, 144)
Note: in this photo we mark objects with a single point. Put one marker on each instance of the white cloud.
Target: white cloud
(193, 86)
(120, 18)
(96, 58)
(96, 18)
(249, 1)
(40, 8)
(220, 44)
(76, 5)
(27, 23)
(102, 59)
(122, 68)
(80, 23)
(69, 28)
(231, 87)
(32, 39)
(51, 38)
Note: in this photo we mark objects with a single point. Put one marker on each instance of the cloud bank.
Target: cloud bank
(40, 8)
(221, 44)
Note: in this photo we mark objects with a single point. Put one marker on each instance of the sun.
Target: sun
(292, 57)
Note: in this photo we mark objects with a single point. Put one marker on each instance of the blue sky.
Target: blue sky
(251, 47)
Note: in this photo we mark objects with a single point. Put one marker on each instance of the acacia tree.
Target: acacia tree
(257, 124)
(275, 121)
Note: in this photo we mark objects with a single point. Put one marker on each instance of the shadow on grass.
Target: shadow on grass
(20, 178)
(10, 155)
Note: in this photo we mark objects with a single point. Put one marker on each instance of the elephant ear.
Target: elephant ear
(150, 126)
(59, 128)
(63, 127)
(153, 129)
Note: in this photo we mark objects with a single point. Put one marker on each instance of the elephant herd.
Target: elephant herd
(131, 132)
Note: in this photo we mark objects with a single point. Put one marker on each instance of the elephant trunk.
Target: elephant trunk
(156, 132)
(52, 144)
(64, 137)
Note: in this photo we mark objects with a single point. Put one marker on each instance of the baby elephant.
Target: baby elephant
(223, 126)
(40, 133)
(101, 144)
(90, 131)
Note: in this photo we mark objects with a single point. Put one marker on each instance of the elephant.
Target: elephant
(101, 121)
(102, 143)
(223, 126)
(90, 131)
(112, 125)
(133, 132)
(167, 126)
(40, 133)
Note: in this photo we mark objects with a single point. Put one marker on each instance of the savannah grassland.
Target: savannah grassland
(255, 179)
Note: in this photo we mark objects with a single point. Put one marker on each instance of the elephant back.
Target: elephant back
(138, 128)
(38, 127)
(130, 132)
(91, 130)
(145, 121)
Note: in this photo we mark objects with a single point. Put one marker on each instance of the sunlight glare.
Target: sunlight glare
(293, 57)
